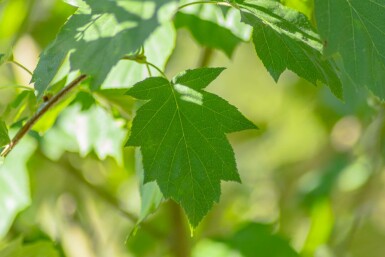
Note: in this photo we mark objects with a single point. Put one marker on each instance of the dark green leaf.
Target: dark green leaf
(355, 29)
(96, 38)
(284, 39)
(257, 240)
(181, 132)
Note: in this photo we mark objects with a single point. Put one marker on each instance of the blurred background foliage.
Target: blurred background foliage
(312, 174)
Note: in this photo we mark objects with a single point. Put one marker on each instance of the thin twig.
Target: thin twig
(158, 69)
(47, 106)
(21, 66)
(203, 2)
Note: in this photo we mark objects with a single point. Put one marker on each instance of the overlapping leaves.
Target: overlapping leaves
(181, 132)
(356, 29)
(96, 37)
(285, 39)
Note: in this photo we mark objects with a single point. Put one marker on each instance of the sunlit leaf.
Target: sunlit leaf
(96, 38)
(181, 132)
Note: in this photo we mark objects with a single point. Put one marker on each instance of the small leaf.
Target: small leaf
(355, 29)
(14, 184)
(284, 39)
(181, 132)
(4, 137)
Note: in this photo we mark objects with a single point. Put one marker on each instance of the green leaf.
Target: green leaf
(36, 249)
(257, 240)
(4, 137)
(355, 29)
(284, 39)
(214, 27)
(96, 38)
(157, 48)
(181, 132)
(14, 187)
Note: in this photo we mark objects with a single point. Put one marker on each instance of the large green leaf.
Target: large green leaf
(214, 27)
(96, 38)
(4, 137)
(14, 187)
(356, 29)
(285, 39)
(181, 132)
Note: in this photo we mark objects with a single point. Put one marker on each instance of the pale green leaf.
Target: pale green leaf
(284, 39)
(355, 29)
(14, 183)
(181, 132)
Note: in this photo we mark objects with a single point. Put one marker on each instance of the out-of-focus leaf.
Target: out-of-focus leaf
(157, 48)
(257, 240)
(214, 27)
(37, 249)
(355, 29)
(93, 129)
(4, 137)
(14, 183)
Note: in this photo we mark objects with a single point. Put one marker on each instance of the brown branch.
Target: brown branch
(47, 106)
